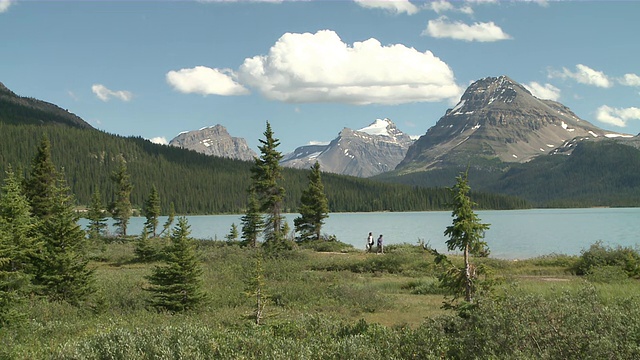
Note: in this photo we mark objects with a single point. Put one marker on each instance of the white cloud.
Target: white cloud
(321, 68)
(630, 80)
(583, 75)
(105, 94)
(440, 6)
(483, 32)
(5, 4)
(546, 91)
(617, 117)
(205, 81)
(395, 6)
(159, 140)
(315, 142)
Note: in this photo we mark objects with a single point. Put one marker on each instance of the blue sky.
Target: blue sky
(311, 68)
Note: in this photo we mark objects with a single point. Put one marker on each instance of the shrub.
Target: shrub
(600, 255)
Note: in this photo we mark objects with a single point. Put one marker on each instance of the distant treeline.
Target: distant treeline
(200, 184)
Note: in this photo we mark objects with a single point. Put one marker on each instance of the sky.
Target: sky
(311, 68)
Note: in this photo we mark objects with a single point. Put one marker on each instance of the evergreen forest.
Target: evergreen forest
(200, 184)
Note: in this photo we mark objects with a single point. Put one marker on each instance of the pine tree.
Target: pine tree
(121, 207)
(266, 175)
(152, 211)
(177, 285)
(170, 218)
(466, 233)
(233, 233)
(18, 247)
(62, 269)
(43, 175)
(19, 224)
(97, 218)
(251, 222)
(314, 207)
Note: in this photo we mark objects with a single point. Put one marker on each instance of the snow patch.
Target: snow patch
(454, 111)
(379, 127)
(476, 127)
(550, 146)
(515, 156)
(593, 134)
(541, 149)
(618, 135)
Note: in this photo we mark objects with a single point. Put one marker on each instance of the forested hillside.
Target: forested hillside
(196, 183)
(597, 173)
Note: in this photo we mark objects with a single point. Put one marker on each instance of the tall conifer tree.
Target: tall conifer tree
(62, 269)
(314, 207)
(266, 176)
(152, 212)
(18, 246)
(42, 179)
(251, 222)
(96, 216)
(121, 207)
(466, 233)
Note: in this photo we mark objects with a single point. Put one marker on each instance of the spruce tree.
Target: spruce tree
(152, 212)
(170, 218)
(233, 233)
(314, 207)
(251, 222)
(266, 176)
(62, 272)
(177, 285)
(121, 207)
(466, 233)
(97, 218)
(19, 224)
(42, 179)
(18, 247)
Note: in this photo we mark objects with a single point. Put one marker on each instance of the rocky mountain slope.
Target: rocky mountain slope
(497, 122)
(372, 150)
(215, 141)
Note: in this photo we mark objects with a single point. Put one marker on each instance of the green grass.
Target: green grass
(349, 296)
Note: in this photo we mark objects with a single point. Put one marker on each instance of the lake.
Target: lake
(514, 234)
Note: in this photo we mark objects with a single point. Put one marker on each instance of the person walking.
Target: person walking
(380, 248)
(370, 242)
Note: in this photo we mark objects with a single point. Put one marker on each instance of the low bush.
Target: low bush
(600, 255)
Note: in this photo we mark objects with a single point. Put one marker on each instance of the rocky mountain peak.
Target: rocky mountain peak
(371, 150)
(497, 120)
(215, 141)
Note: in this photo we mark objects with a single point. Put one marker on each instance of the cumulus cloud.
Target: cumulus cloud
(320, 67)
(630, 80)
(205, 81)
(5, 4)
(105, 94)
(546, 91)
(617, 117)
(394, 6)
(583, 75)
(483, 32)
(159, 140)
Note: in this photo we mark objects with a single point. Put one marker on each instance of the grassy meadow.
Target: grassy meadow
(340, 303)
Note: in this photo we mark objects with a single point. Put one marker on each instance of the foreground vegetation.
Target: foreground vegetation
(340, 304)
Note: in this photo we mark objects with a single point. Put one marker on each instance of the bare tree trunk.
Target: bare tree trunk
(468, 275)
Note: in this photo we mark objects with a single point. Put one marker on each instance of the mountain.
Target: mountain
(16, 109)
(372, 150)
(497, 122)
(216, 141)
